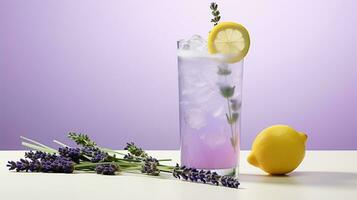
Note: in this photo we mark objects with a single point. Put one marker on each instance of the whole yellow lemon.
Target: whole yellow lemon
(278, 149)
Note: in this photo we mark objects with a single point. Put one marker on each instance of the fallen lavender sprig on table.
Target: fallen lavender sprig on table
(89, 157)
(204, 176)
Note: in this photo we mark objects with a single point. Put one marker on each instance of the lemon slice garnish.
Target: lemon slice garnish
(230, 39)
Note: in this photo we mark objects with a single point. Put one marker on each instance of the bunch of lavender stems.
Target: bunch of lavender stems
(92, 158)
(127, 162)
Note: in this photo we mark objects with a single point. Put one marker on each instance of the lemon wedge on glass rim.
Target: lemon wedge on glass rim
(231, 39)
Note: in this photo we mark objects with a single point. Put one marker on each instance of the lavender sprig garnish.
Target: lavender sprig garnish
(215, 13)
(227, 91)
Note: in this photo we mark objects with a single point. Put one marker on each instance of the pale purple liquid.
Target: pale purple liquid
(208, 148)
(206, 136)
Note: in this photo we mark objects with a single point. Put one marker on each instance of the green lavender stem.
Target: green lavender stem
(122, 164)
(38, 144)
(230, 122)
(230, 117)
(60, 143)
(123, 154)
(227, 92)
(38, 148)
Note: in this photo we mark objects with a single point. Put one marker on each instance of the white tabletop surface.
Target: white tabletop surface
(322, 175)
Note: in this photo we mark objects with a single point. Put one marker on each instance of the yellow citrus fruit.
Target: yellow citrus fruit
(278, 149)
(229, 38)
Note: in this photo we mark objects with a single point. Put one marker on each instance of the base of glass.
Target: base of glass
(227, 172)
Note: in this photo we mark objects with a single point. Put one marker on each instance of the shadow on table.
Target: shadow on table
(311, 178)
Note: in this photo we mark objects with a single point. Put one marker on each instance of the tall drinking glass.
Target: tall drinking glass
(210, 98)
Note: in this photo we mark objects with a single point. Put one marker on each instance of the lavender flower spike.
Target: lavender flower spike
(149, 166)
(73, 153)
(203, 176)
(55, 164)
(106, 169)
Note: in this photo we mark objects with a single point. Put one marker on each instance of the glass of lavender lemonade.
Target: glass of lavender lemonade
(210, 96)
(210, 99)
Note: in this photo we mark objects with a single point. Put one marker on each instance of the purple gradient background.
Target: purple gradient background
(109, 69)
